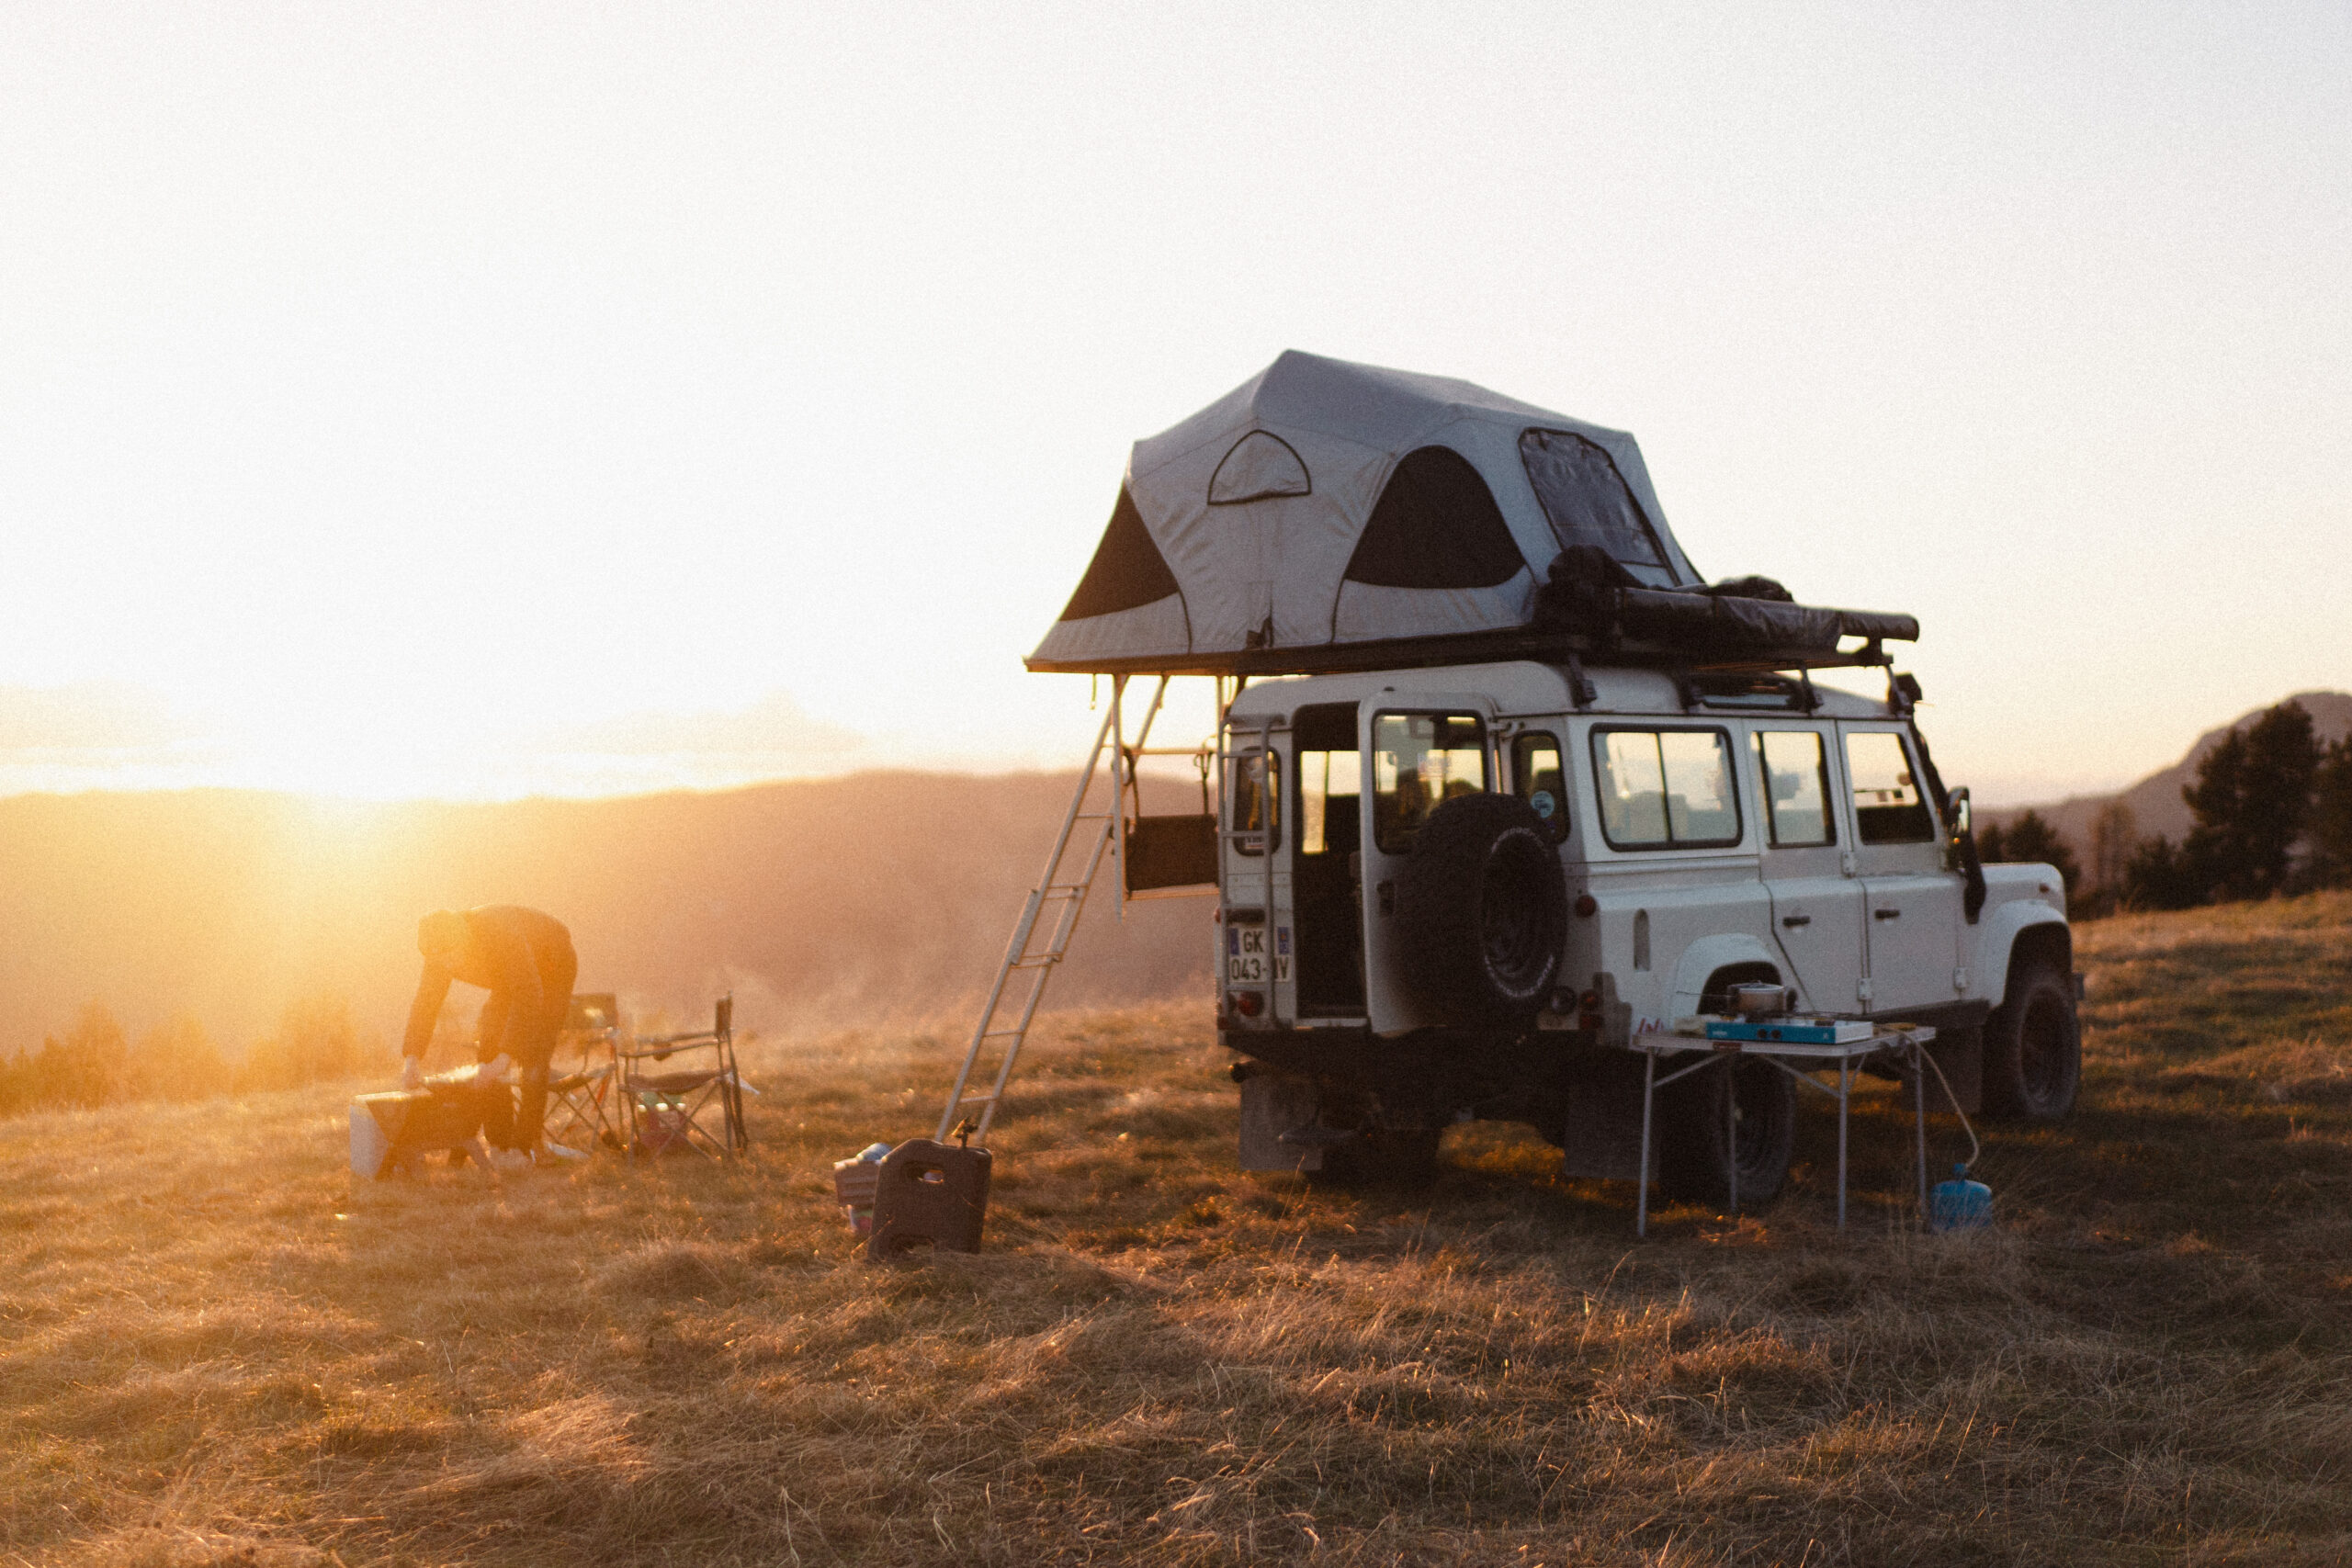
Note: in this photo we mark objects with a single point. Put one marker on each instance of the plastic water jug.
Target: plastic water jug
(1960, 1204)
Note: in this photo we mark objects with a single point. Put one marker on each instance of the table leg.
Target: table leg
(1731, 1128)
(1919, 1118)
(1641, 1171)
(1844, 1070)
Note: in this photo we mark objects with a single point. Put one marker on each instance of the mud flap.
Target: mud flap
(1600, 1139)
(1273, 1103)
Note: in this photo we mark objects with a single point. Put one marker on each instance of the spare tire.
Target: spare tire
(1482, 912)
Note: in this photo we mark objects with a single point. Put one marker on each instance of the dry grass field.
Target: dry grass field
(214, 1351)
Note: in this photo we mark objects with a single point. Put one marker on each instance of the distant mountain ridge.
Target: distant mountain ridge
(2156, 801)
(823, 903)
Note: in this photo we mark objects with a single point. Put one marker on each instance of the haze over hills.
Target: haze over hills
(2156, 801)
(854, 901)
(830, 903)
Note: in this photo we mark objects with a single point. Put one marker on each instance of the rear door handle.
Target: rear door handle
(1793, 921)
(1886, 914)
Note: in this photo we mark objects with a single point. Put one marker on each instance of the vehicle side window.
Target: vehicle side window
(1793, 768)
(1257, 795)
(1666, 788)
(1420, 760)
(1888, 807)
(1537, 776)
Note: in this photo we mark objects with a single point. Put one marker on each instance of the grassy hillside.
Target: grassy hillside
(879, 894)
(212, 1350)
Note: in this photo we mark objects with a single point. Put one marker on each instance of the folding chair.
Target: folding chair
(581, 1113)
(670, 1108)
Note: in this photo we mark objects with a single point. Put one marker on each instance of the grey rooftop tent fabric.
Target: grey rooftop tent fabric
(1323, 505)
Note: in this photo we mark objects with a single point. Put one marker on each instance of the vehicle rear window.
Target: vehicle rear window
(1420, 760)
(1888, 807)
(1792, 773)
(1666, 788)
(1256, 819)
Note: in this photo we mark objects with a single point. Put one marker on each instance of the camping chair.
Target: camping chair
(581, 1113)
(674, 1086)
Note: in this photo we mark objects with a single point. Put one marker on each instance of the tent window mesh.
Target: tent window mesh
(1436, 525)
(1589, 502)
(1127, 571)
(1258, 467)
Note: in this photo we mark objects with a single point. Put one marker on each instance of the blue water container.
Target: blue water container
(1960, 1204)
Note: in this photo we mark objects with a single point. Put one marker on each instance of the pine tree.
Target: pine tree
(2331, 824)
(2252, 798)
(2031, 839)
(2161, 877)
(2113, 833)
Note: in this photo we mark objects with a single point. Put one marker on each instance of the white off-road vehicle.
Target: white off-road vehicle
(1457, 892)
(1506, 786)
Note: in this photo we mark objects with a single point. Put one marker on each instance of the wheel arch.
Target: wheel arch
(2018, 933)
(1720, 960)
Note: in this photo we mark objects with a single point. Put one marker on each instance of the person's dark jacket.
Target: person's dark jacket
(520, 957)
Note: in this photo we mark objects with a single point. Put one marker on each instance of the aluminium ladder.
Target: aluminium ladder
(1088, 837)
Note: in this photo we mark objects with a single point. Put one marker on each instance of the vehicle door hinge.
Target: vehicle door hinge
(1862, 988)
(1845, 862)
(1960, 979)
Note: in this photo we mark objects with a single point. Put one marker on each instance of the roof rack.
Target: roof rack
(1623, 627)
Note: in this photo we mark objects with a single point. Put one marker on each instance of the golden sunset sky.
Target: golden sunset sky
(477, 400)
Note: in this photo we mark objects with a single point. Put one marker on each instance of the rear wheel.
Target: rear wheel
(2033, 1047)
(1693, 1161)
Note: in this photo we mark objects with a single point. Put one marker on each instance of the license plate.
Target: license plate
(1247, 962)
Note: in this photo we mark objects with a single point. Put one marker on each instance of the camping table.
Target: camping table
(1908, 1040)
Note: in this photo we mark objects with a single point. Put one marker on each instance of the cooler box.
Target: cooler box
(387, 1129)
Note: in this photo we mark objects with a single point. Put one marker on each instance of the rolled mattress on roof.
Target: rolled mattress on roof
(1323, 506)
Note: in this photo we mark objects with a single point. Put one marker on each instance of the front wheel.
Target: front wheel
(2033, 1047)
(1693, 1162)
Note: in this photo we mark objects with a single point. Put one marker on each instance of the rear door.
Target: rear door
(1418, 752)
(1817, 913)
(1255, 922)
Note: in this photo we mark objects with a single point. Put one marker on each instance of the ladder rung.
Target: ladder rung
(1041, 961)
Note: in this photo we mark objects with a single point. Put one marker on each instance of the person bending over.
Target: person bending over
(523, 958)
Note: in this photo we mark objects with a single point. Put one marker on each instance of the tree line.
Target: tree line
(2272, 810)
(93, 1063)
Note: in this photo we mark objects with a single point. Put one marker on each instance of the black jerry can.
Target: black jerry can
(930, 1193)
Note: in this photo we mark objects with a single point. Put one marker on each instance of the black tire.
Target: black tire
(1691, 1135)
(1383, 1156)
(2033, 1046)
(1483, 911)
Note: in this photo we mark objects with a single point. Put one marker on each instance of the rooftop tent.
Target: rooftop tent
(1324, 511)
